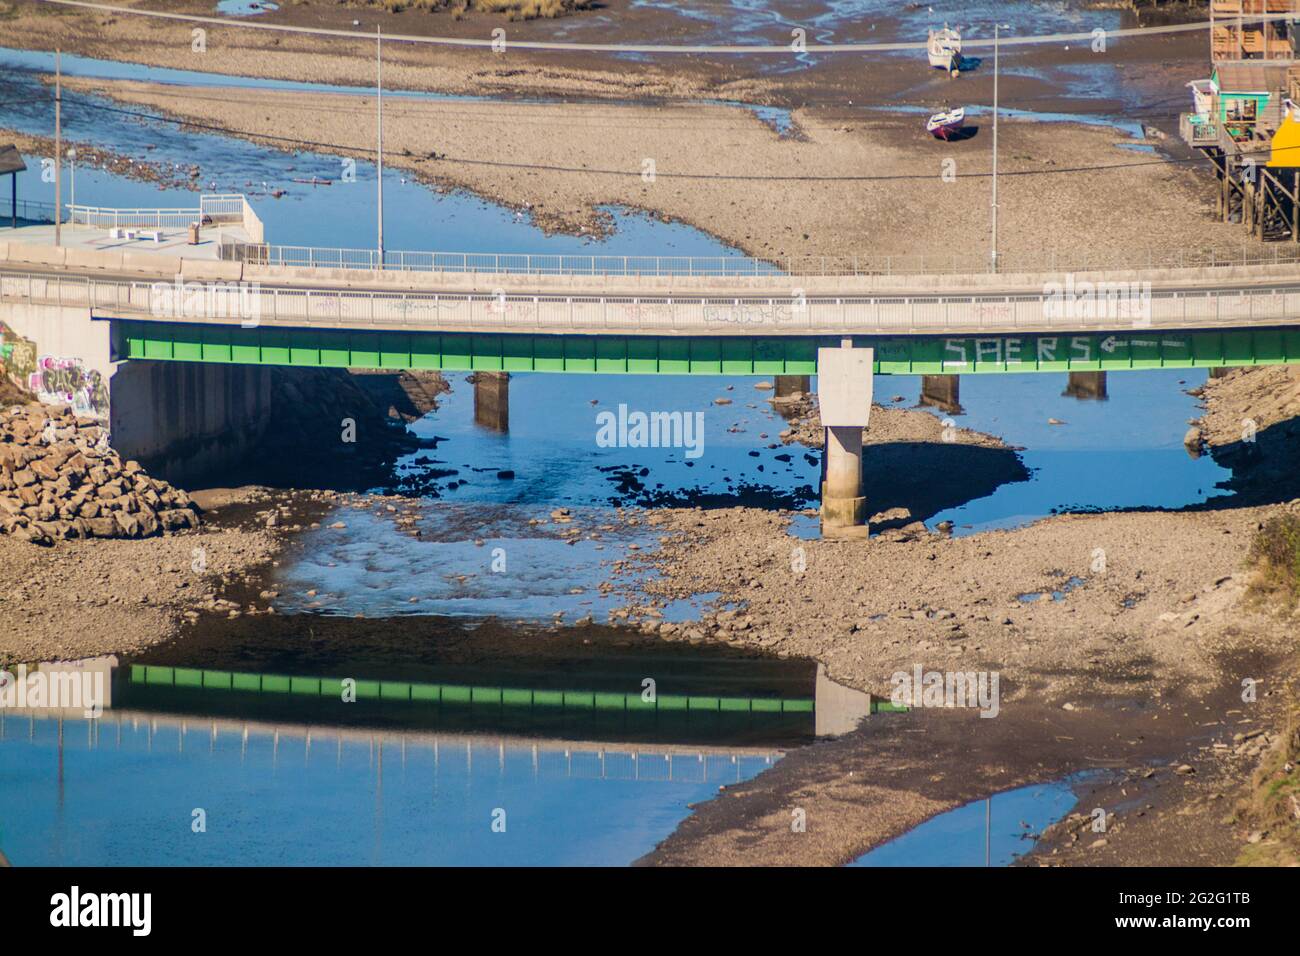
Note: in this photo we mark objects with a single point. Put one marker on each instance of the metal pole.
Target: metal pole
(994, 259)
(379, 101)
(72, 200)
(58, 147)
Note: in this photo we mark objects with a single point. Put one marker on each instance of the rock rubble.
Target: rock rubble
(59, 478)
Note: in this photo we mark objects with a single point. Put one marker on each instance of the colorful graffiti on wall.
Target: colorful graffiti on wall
(17, 355)
(67, 381)
(51, 378)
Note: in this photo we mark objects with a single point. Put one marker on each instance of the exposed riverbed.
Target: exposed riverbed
(537, 559)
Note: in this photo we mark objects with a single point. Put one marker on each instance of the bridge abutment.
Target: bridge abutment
(188, 420)
(844, 377)
(181, 420)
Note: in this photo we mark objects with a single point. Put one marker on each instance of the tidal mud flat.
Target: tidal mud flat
(1036, 74)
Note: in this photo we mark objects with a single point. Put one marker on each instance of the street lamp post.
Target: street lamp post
(379, 123)
(993, 264)
(997, 29)
(72, 202)
(58, 148)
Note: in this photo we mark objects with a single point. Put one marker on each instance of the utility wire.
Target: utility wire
(543, 167)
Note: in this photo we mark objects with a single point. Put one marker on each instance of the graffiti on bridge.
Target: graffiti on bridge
(67, 381)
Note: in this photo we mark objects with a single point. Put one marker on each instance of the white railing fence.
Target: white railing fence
(323, 257)
(231, 208)
(897, 315)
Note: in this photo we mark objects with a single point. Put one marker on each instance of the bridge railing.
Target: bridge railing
(104, 217)
(28, 211)
(324, 257)
(230, 208)
(250, 304)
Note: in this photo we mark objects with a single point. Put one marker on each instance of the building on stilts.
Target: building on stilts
(1245, 117)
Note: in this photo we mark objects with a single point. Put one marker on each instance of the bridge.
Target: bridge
(231, 306)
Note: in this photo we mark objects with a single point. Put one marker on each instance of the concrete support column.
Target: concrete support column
(790, 386)
(844, 377)
(492, 400)
(942, 392)
(1087, 386)
(842, 501)
(1220, 371)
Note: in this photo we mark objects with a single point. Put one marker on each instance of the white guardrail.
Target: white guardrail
(212, 209)
(506, 263)
(449, 312)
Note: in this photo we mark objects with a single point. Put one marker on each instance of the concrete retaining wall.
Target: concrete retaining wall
(59, 354)
(186, 420)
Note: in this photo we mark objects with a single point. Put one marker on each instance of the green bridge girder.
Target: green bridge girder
(699, 355)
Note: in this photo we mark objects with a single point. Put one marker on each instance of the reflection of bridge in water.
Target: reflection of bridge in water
(758, 717)
(766, 707)
(293, 744)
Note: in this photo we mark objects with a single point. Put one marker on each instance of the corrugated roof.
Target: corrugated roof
(1250, 77)
(11, 161)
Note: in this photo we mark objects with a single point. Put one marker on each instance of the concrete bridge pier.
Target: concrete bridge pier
(844, 388)
(492, 400)
(1086, 386)
(942, 392)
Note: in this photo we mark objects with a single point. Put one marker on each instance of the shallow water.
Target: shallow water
(1126, 452)
(957, 838)
(554, 453)
(279, 797)
(245, 8)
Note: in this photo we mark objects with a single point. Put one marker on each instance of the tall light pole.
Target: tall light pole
(994, 259)
(379, 101)
(58, 148)
(72, 200)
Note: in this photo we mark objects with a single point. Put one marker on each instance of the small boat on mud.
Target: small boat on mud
(944, 49)
(944, 125)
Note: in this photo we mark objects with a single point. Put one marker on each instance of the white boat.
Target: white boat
(944, 48)
(943, 125)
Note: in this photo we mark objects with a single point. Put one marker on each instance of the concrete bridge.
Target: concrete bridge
(118, 312)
